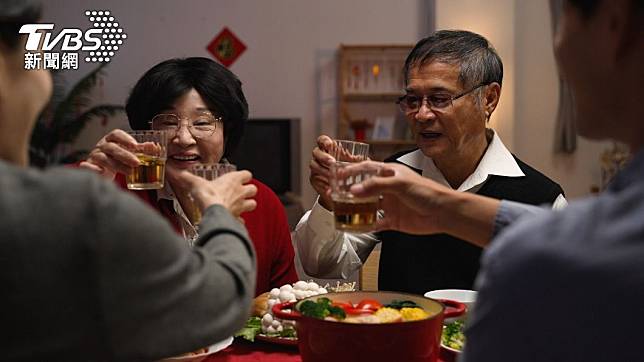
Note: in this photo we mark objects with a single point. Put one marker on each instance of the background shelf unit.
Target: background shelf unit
(369, 83)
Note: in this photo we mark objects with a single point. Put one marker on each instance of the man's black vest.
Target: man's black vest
(419, 263)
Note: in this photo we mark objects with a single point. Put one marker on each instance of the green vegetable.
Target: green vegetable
(252, 328)
(321, 309)
(337, 312)
(399, 304)
(288, 333)
(285, 333)
(453, 336)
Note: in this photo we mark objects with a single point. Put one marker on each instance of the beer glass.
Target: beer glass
(351, 214)
(151, 151)
(209, 172)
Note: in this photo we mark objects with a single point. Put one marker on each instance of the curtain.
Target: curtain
(565, 128)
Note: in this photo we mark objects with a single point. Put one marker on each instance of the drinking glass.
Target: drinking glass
(151, 151)
(209, 172)
(351, 214)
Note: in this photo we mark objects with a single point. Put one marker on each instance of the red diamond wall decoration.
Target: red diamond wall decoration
(226, 47)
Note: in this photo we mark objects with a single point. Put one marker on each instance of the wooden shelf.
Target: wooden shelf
(369, 83)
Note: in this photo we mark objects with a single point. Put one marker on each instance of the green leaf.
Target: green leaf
(337, 312)
(321, 309)
(288, 333)
(248, 333)
(60, 122)
(77, 98)
(252, 328)
(68, 131)
(453, 335)
(399, 304)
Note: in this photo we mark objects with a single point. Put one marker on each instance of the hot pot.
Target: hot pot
(322, 341)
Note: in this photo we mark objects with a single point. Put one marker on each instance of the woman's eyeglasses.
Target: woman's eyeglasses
(201, 126)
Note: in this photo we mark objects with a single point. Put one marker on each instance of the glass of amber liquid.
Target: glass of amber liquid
(351, 214)
(151, 151)
(210, 172)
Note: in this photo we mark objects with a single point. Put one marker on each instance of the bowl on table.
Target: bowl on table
(467, 297)
(322, 340)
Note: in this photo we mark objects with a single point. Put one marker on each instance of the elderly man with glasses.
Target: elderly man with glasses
(453, 83)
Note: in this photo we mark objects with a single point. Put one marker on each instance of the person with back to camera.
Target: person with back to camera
(91, 273)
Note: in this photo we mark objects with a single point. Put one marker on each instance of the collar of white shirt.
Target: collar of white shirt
(167, 193)
(497, 160)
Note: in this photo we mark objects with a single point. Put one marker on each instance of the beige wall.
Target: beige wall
(289, 67)
(536, 106)
(494, 19)
(520, 31)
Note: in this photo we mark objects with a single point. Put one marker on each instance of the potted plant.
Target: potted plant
(65, 117)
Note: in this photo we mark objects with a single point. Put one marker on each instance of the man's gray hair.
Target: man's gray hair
(479, 62)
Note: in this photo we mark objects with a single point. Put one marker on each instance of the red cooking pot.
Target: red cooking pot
(322, 341)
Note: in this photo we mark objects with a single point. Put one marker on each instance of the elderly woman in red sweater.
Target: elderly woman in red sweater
(189, 92)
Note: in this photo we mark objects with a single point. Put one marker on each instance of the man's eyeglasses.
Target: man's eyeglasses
(411, 103)
(201, 126)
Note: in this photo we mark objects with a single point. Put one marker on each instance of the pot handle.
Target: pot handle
(453, 308)
(278, 311)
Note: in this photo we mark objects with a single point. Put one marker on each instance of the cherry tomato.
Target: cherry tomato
(350, 309)
(370, 304)
(358, 311)
(344, 305)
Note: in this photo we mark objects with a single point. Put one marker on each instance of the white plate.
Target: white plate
(200, 357)
(287, 341)
(467, 297)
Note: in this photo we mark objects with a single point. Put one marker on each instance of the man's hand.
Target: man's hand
(230, 190)
(319, 166)
(111, 155)
(418, 205)
(409, 201)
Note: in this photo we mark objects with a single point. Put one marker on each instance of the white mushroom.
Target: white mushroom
(286, 296)
(267, 319)
(301, 285)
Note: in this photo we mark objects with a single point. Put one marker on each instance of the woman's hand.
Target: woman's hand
(111, 155)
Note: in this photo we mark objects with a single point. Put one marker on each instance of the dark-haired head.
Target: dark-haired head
(167, 81)
(23, 92)
(479, 62)
(589, 7)
(13, 15)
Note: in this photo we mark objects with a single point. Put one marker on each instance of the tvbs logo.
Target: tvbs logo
(72, 39)
(100, 42)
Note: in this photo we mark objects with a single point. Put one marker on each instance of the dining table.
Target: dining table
(260, 351)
